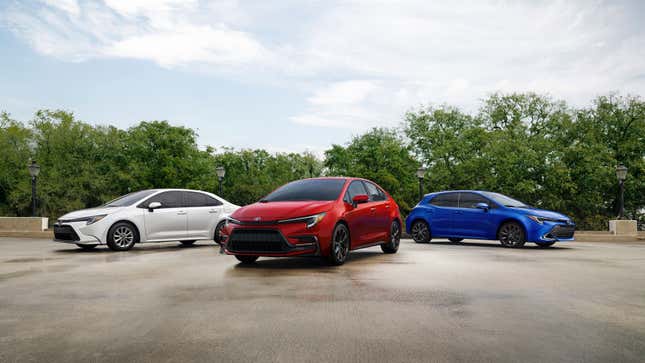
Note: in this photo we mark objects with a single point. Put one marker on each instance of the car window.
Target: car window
(470, 200)
(374, 192)
(446, 200)
(307, 189)
(355, 188)
(129, 199)
(196, 199)
(171, 199)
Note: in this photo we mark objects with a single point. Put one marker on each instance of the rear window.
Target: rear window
(308, 189)
(195, 199)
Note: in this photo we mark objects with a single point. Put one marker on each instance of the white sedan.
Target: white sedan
(153, 215)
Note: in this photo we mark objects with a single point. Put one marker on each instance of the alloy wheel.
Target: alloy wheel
(395, 238)
(340, 247)
(511, 235)
(123, 236)
(420, 232)
(395, 235)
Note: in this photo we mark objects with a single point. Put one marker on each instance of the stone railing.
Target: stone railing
(23, 224)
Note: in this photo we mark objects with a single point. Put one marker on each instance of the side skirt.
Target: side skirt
(368, 245)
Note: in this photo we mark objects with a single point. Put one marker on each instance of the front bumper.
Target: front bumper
(76, 233)
(553, 232)
(272, 240)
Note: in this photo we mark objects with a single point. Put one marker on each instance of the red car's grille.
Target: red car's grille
(251, 240)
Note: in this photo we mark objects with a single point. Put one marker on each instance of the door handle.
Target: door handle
(212, 211)
(372, 209)
(387, 206)
(181, 213)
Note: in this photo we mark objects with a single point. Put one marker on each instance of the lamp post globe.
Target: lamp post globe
(621, 175)
(421, 172)
(221, 172)
(34, 170)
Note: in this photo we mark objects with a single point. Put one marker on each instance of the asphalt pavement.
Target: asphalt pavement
(576, 302)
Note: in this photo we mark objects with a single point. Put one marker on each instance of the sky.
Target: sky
(297, 75)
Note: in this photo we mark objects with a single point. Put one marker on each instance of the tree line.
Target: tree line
(529, 146)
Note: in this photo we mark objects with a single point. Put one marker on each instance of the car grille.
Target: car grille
(65, 233)
(248, 240)
(561, 231)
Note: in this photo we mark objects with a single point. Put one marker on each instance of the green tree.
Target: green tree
(379, 155)
(14, 177)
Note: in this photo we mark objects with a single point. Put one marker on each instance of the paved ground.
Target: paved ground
(437, 302)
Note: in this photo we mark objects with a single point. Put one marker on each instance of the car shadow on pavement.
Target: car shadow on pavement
(528, 246)
(307, 263)
(138, 249)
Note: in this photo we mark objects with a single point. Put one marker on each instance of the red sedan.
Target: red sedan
(325, 217)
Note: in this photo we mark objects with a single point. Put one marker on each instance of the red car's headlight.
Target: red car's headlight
(310, 221)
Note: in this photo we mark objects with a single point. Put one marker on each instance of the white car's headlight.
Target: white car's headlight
(310, 221)
(94, 219)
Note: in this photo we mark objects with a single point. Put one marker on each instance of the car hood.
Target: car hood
(90, 212)
(542, 213)
(273, 211)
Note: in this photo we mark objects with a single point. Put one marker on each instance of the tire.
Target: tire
(420, 232)
(395, 238)
(545, 245)
(122, 236)
(245, 259)
(339, 246)
(187, 243)
(511, 234)
(217, 235)
(86, 247)
(455, 240)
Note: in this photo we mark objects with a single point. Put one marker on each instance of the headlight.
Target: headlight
(232, 220)
(537, 219)
(541, 220)
(94, 219)
(309, 220)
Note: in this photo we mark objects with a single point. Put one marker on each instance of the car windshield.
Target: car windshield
(505, 201)
(129, 199)
(308, 189)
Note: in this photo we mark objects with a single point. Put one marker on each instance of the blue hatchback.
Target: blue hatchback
(476, 214)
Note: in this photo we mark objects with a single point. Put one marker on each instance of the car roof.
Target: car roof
(172, 189)
(458, 191)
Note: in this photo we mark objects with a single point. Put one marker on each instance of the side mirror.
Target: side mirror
(154, 205)
(359, 199)
(483, 206)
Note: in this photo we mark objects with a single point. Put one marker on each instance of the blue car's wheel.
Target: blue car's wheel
(420, 232)
(511, 234)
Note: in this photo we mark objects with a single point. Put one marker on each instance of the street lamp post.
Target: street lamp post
(421, 172)
(34, 170)
(621, 174)
(220, 176)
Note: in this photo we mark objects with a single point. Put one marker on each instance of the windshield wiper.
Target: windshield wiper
(264, 201)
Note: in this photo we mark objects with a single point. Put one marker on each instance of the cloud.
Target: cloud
(162, 31)
(189, 44)
(69, 6)
(360, 63)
